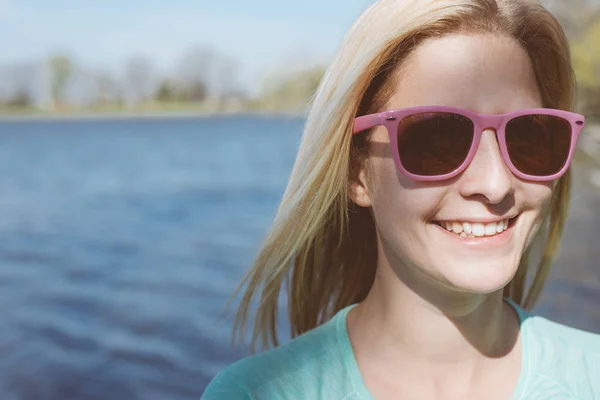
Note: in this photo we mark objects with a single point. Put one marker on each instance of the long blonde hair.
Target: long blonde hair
(322, 246)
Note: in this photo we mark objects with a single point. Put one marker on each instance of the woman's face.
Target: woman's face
(488, 74)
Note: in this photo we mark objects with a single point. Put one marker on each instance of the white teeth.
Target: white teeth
(490, 229)
(457, 227)
(476, 229)
(500, 227)
(467, 227)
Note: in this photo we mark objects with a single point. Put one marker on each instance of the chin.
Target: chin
(478, 264)
(481, 277)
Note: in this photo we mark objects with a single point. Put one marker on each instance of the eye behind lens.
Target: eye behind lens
(538, 144)
(434, 143)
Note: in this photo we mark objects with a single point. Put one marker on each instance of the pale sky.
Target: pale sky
(262, 34)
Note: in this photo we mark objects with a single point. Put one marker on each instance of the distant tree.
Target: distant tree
(196, 92)
(108, 89)
(61, 71)
(313, 77)
(225, 79)
(574, 15)
(291, 92)
(196, 68)
(21, 99)
(225, 75)
(18, 84)
(586, 56)
(167, 92)
(586, 61)
(139, 78)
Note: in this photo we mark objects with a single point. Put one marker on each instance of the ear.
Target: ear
(358, 189)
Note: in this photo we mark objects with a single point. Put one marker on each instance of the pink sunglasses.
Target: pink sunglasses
(433, 143)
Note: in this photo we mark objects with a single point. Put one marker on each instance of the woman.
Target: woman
(434, 159)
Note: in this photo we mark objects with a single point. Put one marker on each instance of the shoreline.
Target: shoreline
(131, 115)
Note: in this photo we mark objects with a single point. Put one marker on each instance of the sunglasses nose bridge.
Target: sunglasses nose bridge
(490, 122)
(489, 128)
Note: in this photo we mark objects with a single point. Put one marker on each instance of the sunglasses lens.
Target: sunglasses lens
(436, 143)
(538, 144)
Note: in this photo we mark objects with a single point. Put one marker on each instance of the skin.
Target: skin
(434, 325)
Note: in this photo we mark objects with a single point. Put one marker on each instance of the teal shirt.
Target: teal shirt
(558, 362)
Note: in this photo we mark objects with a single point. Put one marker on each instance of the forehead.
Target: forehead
(485, 73)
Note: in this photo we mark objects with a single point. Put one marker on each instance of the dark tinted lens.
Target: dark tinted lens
(538, 144)
(433, 144)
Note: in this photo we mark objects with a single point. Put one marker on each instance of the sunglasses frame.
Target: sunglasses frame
(481, 122)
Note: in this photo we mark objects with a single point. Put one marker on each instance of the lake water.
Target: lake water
(121, 242)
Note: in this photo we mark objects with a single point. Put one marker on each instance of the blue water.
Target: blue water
(121, 241)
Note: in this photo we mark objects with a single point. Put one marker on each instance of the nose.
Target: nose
(487, 176)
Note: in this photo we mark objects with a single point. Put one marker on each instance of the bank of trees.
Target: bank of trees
(205, 79)
(60, 82)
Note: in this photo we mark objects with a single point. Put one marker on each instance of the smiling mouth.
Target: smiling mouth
(475, 229)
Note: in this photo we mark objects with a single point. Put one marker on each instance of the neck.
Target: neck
(434, 326)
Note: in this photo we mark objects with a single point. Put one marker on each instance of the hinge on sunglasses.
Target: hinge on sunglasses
(390, 118)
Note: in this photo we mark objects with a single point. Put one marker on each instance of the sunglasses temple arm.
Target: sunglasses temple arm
(366, 122)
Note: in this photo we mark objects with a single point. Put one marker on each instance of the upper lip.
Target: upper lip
(481, 220)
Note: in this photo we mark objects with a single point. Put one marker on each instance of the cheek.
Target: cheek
(536, 200)
(403, 210)
(536, 197)
(398, 203)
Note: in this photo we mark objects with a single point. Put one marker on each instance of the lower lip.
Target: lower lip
(498, 239)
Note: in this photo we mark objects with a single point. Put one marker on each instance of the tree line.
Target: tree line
(60, 82)
(203, 79)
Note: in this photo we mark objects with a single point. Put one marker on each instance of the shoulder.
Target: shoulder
(562, 358)
(563, 336)
(293, 370)
(227, 385)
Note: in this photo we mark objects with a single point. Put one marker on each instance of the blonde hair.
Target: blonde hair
(321, 245)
